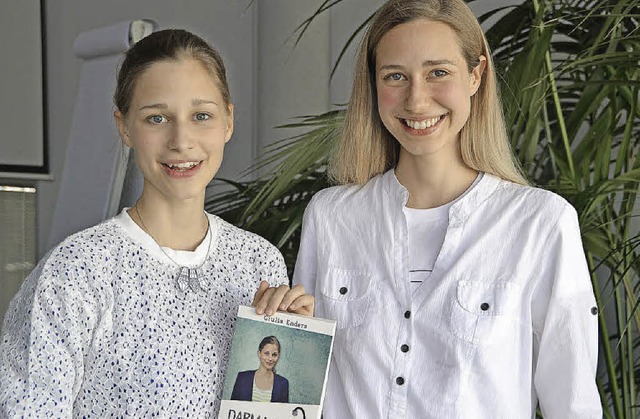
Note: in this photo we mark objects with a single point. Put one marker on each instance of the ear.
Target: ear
(476, 74)
(227, 135)
(122, 128)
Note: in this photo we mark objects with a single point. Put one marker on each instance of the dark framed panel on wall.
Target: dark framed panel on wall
(23, 118)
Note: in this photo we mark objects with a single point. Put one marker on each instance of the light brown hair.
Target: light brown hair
(366, 148)
(168, 44)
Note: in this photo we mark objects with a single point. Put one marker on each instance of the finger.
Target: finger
(276, 299)
(262, 288)
(261, 305)
(291, 295)
(303, 305)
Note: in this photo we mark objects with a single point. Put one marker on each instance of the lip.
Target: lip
(181, 173)
(421, 132)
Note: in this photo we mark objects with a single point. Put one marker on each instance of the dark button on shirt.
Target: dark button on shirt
(404, 348)
(343, 290)
(399, 381)
(407, 314)
(484, 306)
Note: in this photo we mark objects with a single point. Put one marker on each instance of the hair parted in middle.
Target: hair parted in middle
(366, 148)
(269, 340)
(167, 45)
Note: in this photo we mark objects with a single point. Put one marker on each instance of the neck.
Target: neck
(433, 181)
(264, 372)
(179, 225)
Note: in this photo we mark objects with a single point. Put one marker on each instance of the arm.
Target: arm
(565, 327)
(286, 390)
(280, 392)
(44, 337)
(237, 388)
(307, 262)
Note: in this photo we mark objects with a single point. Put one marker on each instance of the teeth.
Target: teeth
(424, 124)
(183, 166)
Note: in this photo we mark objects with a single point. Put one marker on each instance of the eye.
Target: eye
(394, 77)
(201, 116)
(157, 119)
(439, 73)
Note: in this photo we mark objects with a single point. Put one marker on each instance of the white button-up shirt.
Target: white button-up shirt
(507, 318)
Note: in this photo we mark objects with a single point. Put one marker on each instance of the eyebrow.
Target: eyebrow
(154, 106)
(426, 63)
(194, 102)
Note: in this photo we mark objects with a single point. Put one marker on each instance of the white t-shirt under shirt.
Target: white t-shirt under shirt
(259, 395)
(426, 229)
(510, 291)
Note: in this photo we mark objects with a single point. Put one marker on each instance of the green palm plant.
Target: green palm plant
(570, 86)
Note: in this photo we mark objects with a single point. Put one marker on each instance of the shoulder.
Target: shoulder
(239, 239)
(529, 202)
(78, 263)
(529, 193)
(344, 199)
(281, 379)
(250, 256)
(69, 276)
(340, 192)
(244, 375)
(247, 372)
(106, 236)
(77, 254)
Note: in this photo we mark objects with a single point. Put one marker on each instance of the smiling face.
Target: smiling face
(269, 356)
(177, 124)
(424, 87)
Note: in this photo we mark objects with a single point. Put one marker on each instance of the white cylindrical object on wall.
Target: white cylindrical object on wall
(96, 161)
(111, 40)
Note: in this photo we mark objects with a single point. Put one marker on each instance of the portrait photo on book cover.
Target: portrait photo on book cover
(272, 363)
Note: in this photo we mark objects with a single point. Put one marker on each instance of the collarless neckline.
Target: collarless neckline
(188, 258)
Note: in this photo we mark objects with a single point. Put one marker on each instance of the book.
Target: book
(299, 356)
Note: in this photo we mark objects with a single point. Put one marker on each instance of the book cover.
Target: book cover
(282, 360)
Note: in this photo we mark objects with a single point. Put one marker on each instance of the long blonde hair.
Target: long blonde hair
(366, 149)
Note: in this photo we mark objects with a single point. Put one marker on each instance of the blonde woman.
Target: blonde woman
(459, 290)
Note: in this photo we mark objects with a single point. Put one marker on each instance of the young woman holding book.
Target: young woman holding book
(459, 290)
(134, 316)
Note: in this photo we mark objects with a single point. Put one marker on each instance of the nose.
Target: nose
(418, 97)
(180, 137)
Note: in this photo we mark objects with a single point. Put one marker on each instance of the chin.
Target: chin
(188, 192)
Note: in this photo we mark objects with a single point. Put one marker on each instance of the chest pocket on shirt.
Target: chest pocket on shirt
(484, 313)
(346, 296)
